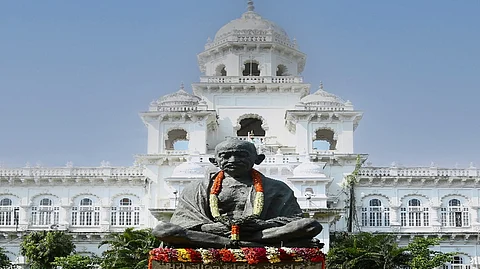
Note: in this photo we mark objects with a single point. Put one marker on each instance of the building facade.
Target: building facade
(251, 89)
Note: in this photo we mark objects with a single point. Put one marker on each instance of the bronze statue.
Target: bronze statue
(238, 206)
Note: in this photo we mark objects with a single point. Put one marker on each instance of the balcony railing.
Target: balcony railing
(251, 79)
(72, 171)
(418, 172)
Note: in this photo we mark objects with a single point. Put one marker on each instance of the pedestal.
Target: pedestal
(242, 258)
(159, 265)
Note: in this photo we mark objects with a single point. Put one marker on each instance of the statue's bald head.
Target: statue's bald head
(236, 156)
(235, 144)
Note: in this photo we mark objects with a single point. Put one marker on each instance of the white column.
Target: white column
(394, 215)
(303, 138)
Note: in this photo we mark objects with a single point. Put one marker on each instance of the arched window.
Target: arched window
(375, 214)
(414, 214)
(251, 127)
(282, 70)
(221, 70)
(8, 213)
(455, 214)
(177, 139)
(125, 213)
(45, 213)
(251, 68)
(458, 262)
(324, 140)
(86, 213)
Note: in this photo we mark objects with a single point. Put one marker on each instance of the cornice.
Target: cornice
(251, 88)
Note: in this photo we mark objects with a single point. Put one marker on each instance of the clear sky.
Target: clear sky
(75, 74)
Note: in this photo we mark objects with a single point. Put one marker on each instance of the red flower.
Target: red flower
(255, 255)
(195, 256)
(227, 256)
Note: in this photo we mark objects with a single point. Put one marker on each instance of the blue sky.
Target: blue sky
(75, 74)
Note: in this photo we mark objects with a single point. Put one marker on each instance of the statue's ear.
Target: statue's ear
(213, 161)
(260, 158)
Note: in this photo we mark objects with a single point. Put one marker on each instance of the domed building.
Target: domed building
(251, 89)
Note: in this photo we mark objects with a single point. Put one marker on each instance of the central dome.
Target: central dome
(253, 24)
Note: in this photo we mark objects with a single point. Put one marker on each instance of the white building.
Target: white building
(251, 89)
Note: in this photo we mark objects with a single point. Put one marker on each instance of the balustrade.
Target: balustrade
(418, 172)
(251, 79)
(72, 171)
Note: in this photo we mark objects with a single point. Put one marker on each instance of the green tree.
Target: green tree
(128, 250)
(4, 260)
(40, 248)
(365, 250)
(76, 261)
(425, 258)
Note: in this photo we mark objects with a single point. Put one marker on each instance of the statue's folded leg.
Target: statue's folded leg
(294, 231)
(176, 236)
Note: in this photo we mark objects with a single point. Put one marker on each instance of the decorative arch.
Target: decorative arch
(238, 126)
(74, 198)
(282, 70)
(453, 196)
(174, 135)
(9, 194)
(221, 70)
(43, 194)
(376, 195)
(413, 215)
(409, 196)
(455, 215)
(251, 67)
(325, 135)
(125, 215)
(460, 258)
(85, 215)
(127, 194)
(9, 210)
(375, 215)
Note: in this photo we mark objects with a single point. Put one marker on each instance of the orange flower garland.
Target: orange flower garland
(257, 203)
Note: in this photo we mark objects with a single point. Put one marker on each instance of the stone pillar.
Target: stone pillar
(436, 222)
(394, 221)
(22, 216)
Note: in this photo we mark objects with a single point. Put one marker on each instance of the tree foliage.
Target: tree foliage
(128, 250)
(4, 260)
(76, 262)
(425, 258)
(40, 248)
(365, 250)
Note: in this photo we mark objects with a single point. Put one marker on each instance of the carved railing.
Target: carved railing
(418, 172)
(72, 171)
(251, 79)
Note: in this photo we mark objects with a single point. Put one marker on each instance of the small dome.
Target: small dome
(188, 170)
(179, 98)
(322, 98)
(251, 23)
(309, 169)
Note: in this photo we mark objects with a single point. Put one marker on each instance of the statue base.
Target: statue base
(242, 258)
(160, 265)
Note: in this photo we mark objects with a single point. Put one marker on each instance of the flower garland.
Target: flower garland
(250, 255)
(257, 203)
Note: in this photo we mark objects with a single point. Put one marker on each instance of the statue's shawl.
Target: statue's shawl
(193, 207)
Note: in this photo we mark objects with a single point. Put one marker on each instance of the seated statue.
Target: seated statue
(238, 206)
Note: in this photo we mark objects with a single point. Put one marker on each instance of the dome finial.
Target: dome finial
(321, 85)
(182, 86)
(250, 7)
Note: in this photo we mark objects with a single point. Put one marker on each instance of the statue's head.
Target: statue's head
(236, 157)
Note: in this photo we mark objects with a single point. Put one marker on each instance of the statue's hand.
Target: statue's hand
(216, 228)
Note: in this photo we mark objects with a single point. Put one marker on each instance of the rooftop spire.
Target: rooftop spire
(321, 85)
(250, 7)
